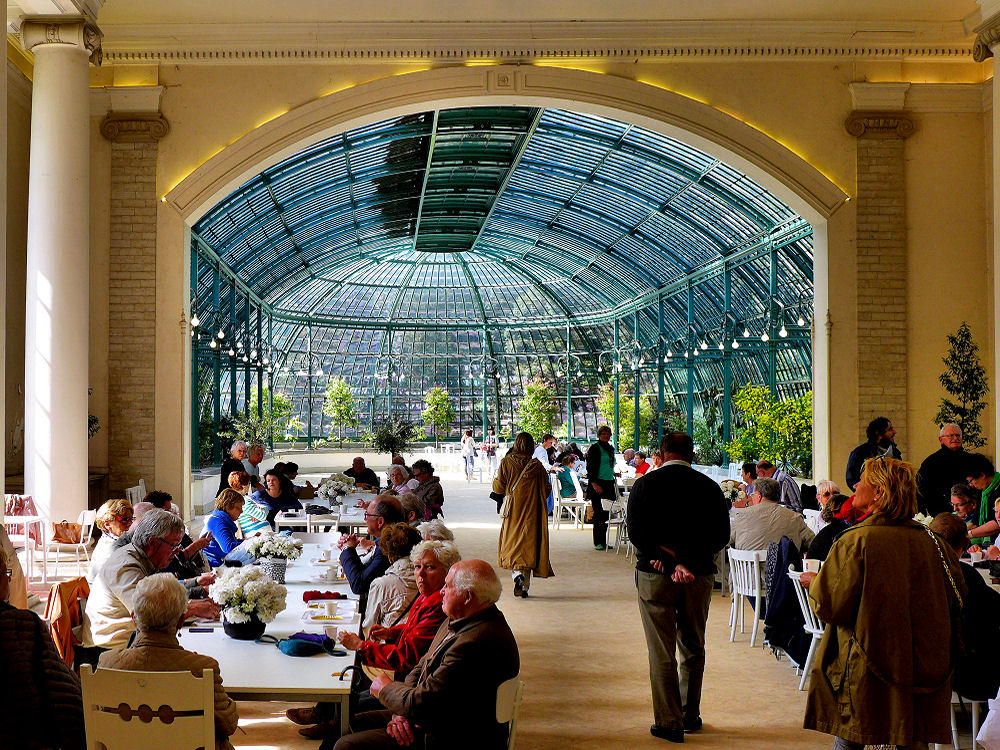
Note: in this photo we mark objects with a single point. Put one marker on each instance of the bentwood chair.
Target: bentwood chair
(509, 706)
(745, 568)
(124, 710)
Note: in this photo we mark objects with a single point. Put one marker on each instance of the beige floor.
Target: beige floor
(583, 658)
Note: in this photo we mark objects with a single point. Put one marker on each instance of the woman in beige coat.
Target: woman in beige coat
(524, 528)
(890, 593)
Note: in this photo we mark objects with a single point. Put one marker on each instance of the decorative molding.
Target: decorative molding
(987, 37)
(74, 30)
(878, 96)
(133, 127)
(879, 124)
(520, 41)
(947, 97)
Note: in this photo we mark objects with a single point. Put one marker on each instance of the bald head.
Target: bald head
(471, 587)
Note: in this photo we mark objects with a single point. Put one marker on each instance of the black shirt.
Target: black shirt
(365, 477)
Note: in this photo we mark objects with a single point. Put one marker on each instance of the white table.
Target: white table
(261, 672)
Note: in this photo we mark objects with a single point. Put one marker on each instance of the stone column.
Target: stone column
(881, 265)
(134, 126)
(58, 258)
(986, 46)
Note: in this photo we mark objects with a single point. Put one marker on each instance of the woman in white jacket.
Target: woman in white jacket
(469, 454)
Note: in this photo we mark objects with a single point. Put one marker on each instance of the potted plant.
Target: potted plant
(274, 551)
(249, 600)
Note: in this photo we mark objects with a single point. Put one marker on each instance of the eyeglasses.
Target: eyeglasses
(827, 493)
(173, 547)
(8, 574)
(371, 515)
(952, 437)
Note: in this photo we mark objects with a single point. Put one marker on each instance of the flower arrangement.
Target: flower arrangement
(733, 490)
(335, 486)
(922, 519)
(271, 545)
(246, 592)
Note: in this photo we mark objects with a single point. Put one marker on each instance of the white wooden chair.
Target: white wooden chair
(135, 494)
(745, 580)
(616, 519)
(575, 506)
(955, 702)
(509, 696)
(813, 626)
(813, 520)
(86, 519)
(124, 710)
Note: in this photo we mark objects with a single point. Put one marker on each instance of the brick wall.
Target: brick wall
(132, 300)
(881, 268)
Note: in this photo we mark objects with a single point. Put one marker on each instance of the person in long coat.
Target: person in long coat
(890, 593)
(524, 528)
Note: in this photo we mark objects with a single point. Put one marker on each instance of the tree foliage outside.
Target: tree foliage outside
(439, 412)
(779, 431)
(965, 380)
(626, 415)
(279, 419)
(536, 412)
(392, 435)
(340, 406)
(708, 430)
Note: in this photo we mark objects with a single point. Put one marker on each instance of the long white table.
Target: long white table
(260, 671)
(345, 515)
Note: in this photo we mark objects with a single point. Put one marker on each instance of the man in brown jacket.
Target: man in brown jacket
(450, 696)
(160, 604)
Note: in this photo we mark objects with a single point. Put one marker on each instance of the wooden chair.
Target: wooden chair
(745, 580)
(813, 626)
(86, 519)
(509, 696)
(126, 710)
(575, 506)
(616, 519)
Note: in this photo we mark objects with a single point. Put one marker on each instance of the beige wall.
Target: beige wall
(100, 244)
(801, 105)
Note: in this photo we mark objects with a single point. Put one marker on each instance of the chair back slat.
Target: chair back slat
(812, 621)
(745, 570)
(509, 696)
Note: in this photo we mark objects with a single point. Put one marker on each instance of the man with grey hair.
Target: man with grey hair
(435, 530)
(940, 471)
(766, 521)
(251, 464)
(449, 698)
(791, 493)
(160, 607)
(413, 509)
(155, 539)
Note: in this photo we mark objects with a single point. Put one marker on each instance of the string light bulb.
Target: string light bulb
(800, 322)
(579, 372)
(232, 352)
(746, 332)
(696, 352)
(669, 353)
(765, 337)
(194, 321)
(721, 346)
(704, 345)
(735, 344)
(221, 334)
(212, 344)
(783, 332)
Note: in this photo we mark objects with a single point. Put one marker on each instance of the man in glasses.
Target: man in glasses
(155, 540)
(940, 471)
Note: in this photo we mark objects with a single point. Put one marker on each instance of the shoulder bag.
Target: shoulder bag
(505, 508)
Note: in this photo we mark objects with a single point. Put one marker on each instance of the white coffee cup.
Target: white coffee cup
(976, 556)
(331, 573)
(331, 607)
(330, 631)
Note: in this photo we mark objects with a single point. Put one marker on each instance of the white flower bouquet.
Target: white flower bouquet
(334, 486)
(733, 490)
(270, 545)
(244, 592)
(922, 519)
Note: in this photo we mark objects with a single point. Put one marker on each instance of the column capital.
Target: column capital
(133, 127)
(72, 30)
(987, 37)
(879, 124)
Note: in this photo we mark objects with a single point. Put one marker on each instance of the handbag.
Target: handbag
(505, 507)
(65, 532)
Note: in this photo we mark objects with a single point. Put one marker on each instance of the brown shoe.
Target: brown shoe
(303, 716)
(319, 731)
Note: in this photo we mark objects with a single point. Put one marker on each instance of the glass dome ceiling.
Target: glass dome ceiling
(514, 233)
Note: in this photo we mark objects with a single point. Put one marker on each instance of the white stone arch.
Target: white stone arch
(804, 188)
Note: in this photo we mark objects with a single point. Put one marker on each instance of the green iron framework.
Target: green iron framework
(477, 248)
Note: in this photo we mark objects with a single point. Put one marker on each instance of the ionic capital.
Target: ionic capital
(72, 30)
(879, 124)
(987, 37)
(133, 127)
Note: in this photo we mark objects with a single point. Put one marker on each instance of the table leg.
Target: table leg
(45, 556)
(345, 713)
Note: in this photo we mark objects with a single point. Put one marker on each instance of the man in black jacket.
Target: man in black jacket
(880, 434)
(941, 470)
(678, 520)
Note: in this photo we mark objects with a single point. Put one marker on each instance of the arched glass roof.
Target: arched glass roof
(514, 233)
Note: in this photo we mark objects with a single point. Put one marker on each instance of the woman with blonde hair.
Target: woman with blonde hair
(114, 518)
(891, 594)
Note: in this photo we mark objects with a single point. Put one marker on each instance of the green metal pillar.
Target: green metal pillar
(216, 367)
(258, 367)
(233, 409)
(309, 383)
(690, 361)
(195, 348)
(246, 353)
(389, 380)
(484, 350)
(727, 366)
(660, 374)
(569, 388)
(616, 363)
(270, 375)
(635, 390)
(772, 344)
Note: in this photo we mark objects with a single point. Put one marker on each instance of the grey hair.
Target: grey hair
(946, 425)
(393, 468)
(156, 524)
(767, 488)
(446, 552)
(485, 586)
(435, 530)
(141, 509)
(236, 445)
(827, 484)
(412, 503)
(160, 599)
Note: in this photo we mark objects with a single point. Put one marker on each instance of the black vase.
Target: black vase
(250, 630)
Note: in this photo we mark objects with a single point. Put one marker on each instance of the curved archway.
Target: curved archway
(773, 165)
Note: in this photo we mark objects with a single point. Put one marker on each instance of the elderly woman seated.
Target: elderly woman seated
(825, 490)
(397, 648)
(160, 606)
(221, 526)
(977, 673)
(435, 530)
(114, 518)
(834, 527)
(391, 595)
(42, 705)
(278, 494)
(253, 519)
(413, 509)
